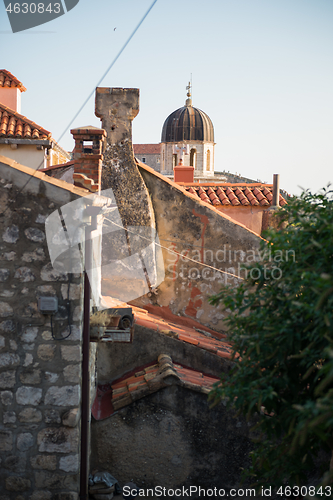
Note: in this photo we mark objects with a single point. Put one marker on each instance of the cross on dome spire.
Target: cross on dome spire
(188, 100)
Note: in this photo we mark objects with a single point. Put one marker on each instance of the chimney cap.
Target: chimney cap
(88, 129)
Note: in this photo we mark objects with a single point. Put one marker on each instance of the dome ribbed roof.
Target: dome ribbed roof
(188, 124)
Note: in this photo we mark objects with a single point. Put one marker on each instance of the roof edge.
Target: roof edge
(194, 197)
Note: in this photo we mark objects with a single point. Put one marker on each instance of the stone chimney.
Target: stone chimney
(117, 107)
(10, 91)
(88, 157)
(183, 174)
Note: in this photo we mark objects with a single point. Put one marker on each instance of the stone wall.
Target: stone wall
(40, 362)
(172, 439)
(203, 250)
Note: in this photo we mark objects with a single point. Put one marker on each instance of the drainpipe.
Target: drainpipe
(85, 408)
(276, 190)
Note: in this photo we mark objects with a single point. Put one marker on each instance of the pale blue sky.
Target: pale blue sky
(262, 70)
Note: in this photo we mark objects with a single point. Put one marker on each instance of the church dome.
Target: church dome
(188, 124)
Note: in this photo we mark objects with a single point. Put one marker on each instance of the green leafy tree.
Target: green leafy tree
(281, 327)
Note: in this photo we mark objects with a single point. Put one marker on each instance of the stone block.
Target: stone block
(52, 417)
(46, 290)
(58, 440)
(15, 463)
(78, 313)
(71, 417)
(75, 292)
(30, 376)
(47, 335)
(40, 219)
(31, 312)
(7, 294)
(51, 377)
(69, 463)
(46, 352)
(37, 255)
(7, 379)
(28, 360)
(28, 396)
(76, 333)
(50, 274)
(45, 462)
(7, 326)
(24, 441)
(44, 479)
(16, 483)
(72, 373)
(10, 256)
(34, 234)
(29, 334)
(6, 398)
(6, 440)
(5, 310)
(24, 274)
(71, 353)
(71, 495)
(13, 345)
(8, 359)
(63, 396)
(4, 274)
(11, 234)
(9, 417)
(41, 495)
(30, 415)
(28, 347)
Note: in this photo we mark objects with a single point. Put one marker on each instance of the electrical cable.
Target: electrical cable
(176, 253)
(89, 96)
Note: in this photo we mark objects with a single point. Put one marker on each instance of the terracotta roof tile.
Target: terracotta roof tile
(147, 149)
(205, 338)
(111, 398)
(234, 194)
(9, 80)
(14, 125)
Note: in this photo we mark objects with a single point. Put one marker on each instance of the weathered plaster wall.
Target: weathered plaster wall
(251, 217)
(39, 376)
(25, 154)
(193, 230)
(153, 160)
(172, 439)
(114, 360)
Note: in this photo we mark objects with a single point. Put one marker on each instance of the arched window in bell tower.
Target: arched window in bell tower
(208, 160)
(174, 161)
(193, 157)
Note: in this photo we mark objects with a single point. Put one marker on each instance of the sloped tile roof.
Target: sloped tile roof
(254, 194)
(198, 335)
(147, 149)
(178, 327)
(9, 80)
(14, 125)
(147, 380)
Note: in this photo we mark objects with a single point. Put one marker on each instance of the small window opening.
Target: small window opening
(87, 146)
